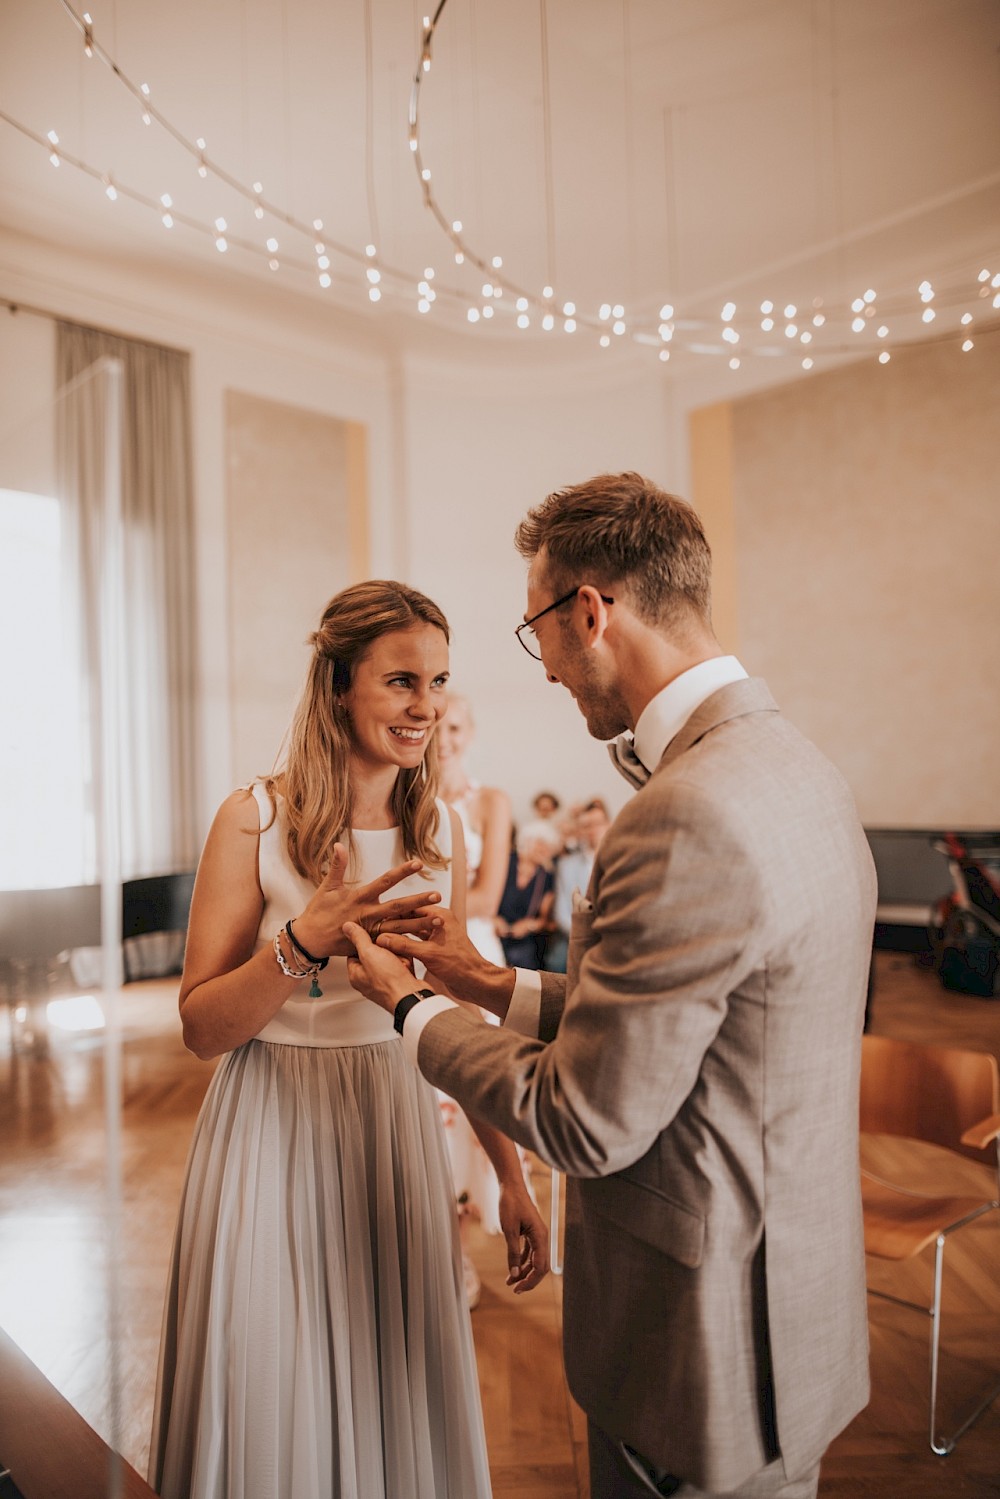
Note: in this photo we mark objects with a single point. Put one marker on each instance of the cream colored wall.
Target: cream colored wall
(296, 511)
(867, 528)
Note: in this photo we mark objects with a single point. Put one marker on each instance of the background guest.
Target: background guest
(526, 903)
(572, 872)
(545, 826)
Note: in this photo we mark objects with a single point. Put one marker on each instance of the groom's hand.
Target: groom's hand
(453, 964)
(375, 973)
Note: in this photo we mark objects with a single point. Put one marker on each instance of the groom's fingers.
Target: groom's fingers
(403, 947)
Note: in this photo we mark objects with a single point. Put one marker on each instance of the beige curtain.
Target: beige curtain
(157, 791)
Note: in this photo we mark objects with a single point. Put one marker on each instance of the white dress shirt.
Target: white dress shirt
(662, 718)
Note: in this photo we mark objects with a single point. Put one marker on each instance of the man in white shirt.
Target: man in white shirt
(696, 1072)
(572, 875)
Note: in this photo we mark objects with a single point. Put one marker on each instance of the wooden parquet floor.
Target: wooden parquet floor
(66, 1296)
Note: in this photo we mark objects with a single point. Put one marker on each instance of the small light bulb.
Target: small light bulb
(325, 279)
(546, 291)
(200, 143)
(605, 341)
(884, 357)
(457, 226)
(414, 144)
(967, 345)
(221, 245)
(734, 363)
(317, 224)
(258, 188)
(666, 332)
(429, 272)
(664, 355)
(166, 200)
(521, 304)
(147, 118)
(728, 312)
(818, 320)
(374, 295)
(869, 295)
(426, 174)
(569, 308)
(666, 312)
(54, 158)
(984, 276)
(807, 363)
(605, 311)
(272, 245)
(929, 314)
(53, 138)
(523, 320)
(883, 331)
(423, 305)
(373, 275)
(274, 264)
(618, 327)
(487, 311)
(370, 251)
(258, 212)
(806, 337)
(996, 300)
(323, 262)
(202, 169)
(790, 330)
(459, 258)
(473, 314)
(145, 89)
(858, 305)
(996, 280)
(858, 324)
(220, 224)
(790, 310)
(496, 262)
(766, 307)
(570, 324)
(320, 247)
(168, 222)
(618, 310)
(111, 191)
(487, 288)
(966, 318)
(767, 323)
(548, 322)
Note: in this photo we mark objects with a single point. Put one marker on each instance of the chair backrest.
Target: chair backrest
(926, 1092)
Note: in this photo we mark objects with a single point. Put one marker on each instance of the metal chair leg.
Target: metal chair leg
(555, 1262)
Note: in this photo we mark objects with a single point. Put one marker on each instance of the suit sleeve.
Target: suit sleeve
(676, 902)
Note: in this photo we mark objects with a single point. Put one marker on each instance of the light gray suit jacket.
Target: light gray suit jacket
(696, 1075)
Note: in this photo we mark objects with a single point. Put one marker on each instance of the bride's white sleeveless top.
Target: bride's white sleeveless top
(342, 1017)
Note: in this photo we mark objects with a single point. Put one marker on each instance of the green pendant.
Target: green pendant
(315, 992)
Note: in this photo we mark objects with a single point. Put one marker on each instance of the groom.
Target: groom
(695, 1073)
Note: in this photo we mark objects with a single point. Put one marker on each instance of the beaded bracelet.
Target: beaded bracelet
(315, 992)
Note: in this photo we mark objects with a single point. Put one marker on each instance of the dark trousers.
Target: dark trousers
(615, 1473)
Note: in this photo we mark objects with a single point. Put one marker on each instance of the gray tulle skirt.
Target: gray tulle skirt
(316, 1340)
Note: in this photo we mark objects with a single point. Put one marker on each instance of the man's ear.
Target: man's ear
(596, 614)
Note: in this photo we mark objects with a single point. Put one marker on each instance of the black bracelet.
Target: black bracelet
(297, 945)
(406, 1004)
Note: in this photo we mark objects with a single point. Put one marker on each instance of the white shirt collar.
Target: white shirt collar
(667, 713)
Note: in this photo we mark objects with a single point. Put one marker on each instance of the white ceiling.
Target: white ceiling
(701, 151)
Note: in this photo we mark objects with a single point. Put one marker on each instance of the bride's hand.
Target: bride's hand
(320, 927)
(445, 950)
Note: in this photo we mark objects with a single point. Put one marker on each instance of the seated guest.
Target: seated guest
(572, 872)
(523, 917)
(545, 826)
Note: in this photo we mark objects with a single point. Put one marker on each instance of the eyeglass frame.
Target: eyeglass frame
(527, 623)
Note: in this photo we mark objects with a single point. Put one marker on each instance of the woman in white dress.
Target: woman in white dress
(486, 824)
(316, 1339)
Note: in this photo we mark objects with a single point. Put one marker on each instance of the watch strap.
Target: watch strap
(405, 1005)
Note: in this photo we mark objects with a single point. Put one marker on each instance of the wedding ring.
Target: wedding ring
(376, 929)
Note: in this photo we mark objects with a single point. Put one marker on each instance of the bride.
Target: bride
(316, 1338)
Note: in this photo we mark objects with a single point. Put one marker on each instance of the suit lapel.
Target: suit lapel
(750, 695)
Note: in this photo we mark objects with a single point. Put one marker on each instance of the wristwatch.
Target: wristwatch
(406, 1004)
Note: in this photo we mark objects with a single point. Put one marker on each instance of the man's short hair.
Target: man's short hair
(621, 529)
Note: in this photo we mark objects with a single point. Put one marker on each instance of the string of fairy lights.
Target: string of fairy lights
(775, 326)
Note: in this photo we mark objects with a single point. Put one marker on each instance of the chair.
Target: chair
(948, 1098)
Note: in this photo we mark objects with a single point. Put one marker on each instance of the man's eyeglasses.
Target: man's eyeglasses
(525, 632)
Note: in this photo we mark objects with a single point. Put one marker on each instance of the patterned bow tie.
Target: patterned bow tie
(626, 761)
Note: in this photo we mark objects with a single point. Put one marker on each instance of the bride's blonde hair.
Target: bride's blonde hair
(314, 779)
